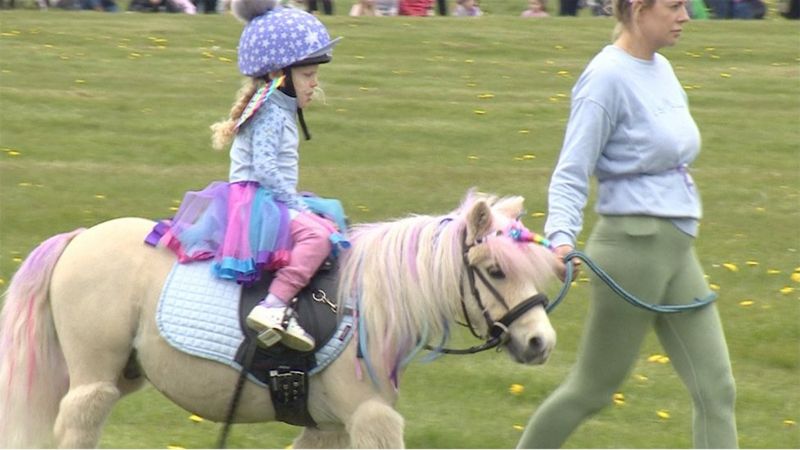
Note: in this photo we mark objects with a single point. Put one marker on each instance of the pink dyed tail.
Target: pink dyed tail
(33, 375)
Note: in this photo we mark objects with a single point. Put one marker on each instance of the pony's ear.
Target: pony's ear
(479, 221)
(511, 207)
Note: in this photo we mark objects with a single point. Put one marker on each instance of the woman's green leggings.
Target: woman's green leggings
(653, 260)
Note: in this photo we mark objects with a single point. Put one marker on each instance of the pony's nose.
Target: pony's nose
(536, 344)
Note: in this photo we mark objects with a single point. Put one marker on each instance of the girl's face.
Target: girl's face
(662, 23)
(305, 81)
(535, 5)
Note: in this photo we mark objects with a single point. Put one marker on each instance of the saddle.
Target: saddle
(283, 370)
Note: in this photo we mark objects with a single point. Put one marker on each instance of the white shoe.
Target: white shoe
(269, 323)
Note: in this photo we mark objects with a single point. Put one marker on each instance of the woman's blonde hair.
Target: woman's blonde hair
(623, 12)
(222, 132)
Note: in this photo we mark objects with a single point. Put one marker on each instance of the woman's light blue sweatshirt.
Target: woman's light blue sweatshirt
(630, 127)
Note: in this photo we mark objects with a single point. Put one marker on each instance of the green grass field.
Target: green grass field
(104, 116)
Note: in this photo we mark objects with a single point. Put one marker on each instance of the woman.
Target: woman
(631, 128)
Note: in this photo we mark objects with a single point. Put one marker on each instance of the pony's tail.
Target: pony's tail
(33, 374)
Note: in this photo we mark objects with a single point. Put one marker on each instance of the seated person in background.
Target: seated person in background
(536, 8)
(386, 7)
(415, 7)
(363, 8)
(100, 5)
(467, 8)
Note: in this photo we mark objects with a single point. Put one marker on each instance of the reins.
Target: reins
(625, 295)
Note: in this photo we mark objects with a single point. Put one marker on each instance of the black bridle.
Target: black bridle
(498, 329)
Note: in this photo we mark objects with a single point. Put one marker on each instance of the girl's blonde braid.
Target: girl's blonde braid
(222, 132)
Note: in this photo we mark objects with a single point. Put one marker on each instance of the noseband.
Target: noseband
(498, 329)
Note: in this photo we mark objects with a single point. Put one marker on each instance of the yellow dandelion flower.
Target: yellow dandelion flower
(663, 360)
(13, 153)
(80, 81)
(731, 266)
(173, 208)
(195, 418)
(473, 158)
(363, 89)
(469, 61)
(760, 209)
(558, 47)
(360, 57)
(528, 156)
(99, 196)
(795, 277)
(797, 269)
(773, 272)
(640, 377)
(486, 96)
(17, 259)
(787, 290)
(516, 389)
(479, 112)
(663, 414)
(174, 447)
(537, 214)
(618, 398)
(752, 263)
(472, 84)
(517, 427)
(362, 208)
(524, 131)
(24, 184)
(224, 59)
(789, 422)
(746, 303)
(725, 75)
(655, 357)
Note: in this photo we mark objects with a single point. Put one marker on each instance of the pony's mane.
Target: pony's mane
(406, 275)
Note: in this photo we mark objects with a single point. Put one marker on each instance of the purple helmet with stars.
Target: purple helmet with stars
(276, 37)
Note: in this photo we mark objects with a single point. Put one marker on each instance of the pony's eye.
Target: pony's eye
(495, 273)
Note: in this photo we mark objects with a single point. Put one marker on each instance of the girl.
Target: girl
(631, 128)
(258, 221)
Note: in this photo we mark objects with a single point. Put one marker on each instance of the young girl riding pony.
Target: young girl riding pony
(257, 221)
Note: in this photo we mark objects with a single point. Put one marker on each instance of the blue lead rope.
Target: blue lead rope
(698, 303)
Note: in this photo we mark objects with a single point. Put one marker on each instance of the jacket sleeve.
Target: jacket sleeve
(588, 130)
(267, 133)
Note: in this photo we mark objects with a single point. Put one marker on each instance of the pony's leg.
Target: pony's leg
(82, 414)
(316, 438)
(375, 424)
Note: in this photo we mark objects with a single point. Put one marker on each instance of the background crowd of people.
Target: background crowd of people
(698, 9)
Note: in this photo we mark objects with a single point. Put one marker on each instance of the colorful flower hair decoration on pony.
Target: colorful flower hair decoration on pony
(519, 233)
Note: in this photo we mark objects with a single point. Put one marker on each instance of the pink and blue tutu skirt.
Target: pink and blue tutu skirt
(241, 226)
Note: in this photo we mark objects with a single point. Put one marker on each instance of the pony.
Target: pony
(77, 327)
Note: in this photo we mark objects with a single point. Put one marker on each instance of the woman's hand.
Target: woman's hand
(561, 251)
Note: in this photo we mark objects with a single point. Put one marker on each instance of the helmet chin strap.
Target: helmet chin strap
(288, 89)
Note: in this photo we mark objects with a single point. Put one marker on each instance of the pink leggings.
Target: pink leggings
(310, 246)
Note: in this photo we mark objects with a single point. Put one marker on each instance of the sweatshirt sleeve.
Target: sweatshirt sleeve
(588, 130)
(267, 132)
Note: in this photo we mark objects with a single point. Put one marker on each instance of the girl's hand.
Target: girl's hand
(561, 251)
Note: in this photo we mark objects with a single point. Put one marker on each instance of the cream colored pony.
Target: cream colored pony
(78, 326)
